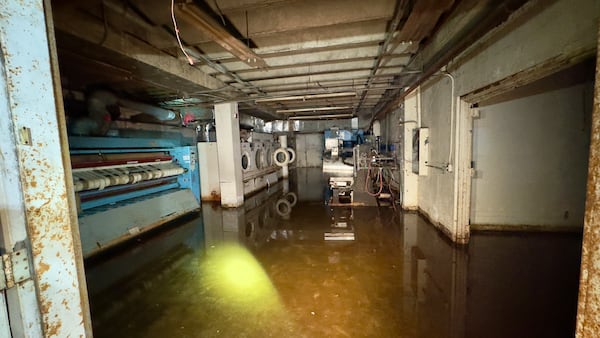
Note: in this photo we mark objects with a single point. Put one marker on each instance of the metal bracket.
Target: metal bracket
(25, 136)
(475, 114)
(14, 269)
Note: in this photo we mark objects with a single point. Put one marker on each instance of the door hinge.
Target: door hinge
(14, 269)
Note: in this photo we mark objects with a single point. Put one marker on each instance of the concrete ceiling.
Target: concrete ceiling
(322, 57)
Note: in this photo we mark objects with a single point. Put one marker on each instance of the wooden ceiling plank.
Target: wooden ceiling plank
(423, 19)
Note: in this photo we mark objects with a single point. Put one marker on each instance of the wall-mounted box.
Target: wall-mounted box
(423, 151)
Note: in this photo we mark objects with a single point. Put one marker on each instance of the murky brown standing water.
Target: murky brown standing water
(251, 273)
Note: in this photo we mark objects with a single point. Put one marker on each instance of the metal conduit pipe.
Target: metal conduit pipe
(100, 100)
(452, 118)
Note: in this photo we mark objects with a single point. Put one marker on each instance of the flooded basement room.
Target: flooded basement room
(253, 272)
(286, 168)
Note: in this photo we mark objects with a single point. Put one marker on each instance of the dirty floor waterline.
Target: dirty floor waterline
(249, 272)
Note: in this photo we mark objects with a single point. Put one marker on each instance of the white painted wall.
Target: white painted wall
(309, 150)
(561, 29)
(436, 190)
(531, 159)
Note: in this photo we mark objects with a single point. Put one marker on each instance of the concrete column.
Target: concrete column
(38, 218)
(230, 157)
(588, 308)
(285, 172)
(410, 187)
(463, 155)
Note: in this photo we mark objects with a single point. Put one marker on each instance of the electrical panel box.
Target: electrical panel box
(423, 151)
(420, 151)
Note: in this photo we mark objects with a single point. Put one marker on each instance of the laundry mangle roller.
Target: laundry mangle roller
(126, 186)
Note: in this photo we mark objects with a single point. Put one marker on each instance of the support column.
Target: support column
(410, 180)
(588, 308)
(38, 217)
(463, 153)
(230, 157)
(285, 172)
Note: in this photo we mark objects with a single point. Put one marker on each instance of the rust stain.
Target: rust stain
(43, 267)
(588, 307)
(46, 305)
(44, 286)
(53, 329)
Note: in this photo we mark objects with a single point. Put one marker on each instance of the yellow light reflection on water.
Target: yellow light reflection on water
(233, 275)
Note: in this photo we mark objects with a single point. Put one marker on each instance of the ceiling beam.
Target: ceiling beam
(319, 59)
(356, 60)
(328, 71)
(205, 23)
(91, 30)
(316, 37)
(299, 15)
(297, 89)
(226, 7)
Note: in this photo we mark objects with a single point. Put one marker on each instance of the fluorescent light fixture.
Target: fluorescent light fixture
(202, 21)
(307, 110)
(305, 97)
(319, 117)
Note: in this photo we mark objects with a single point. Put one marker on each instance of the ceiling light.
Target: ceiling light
(318, 117)
(305, 97)
(306, 110)
(202, 21)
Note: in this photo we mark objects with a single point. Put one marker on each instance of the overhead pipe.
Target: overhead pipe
(100, 100)
(394, 25)
(496, 16)
(453, 118)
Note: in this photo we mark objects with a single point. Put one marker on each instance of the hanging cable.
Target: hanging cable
(379, 176)
(220, 13)
(189, 59)
(105, 21)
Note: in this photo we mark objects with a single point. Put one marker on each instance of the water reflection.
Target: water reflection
(253, 272)
(435, 277)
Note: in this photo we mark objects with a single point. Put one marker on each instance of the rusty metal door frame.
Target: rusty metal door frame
(36, 199)
(588, 308)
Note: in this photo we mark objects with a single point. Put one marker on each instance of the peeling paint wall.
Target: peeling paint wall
(437, 188)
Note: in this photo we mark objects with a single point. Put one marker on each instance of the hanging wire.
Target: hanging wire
(220, 12)
(247, 31)
(105, 22)
(189, 59)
